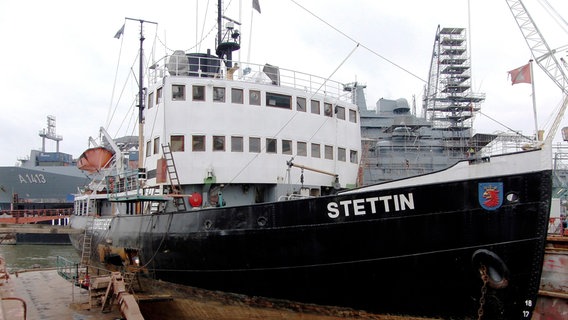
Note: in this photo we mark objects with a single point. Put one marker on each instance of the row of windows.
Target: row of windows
(271, 145)
(254, 98)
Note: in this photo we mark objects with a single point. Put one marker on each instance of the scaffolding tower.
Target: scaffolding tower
(449, 102)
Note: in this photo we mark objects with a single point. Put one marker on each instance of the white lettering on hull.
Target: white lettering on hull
(32, 178)
(371, 205)
(101, 224)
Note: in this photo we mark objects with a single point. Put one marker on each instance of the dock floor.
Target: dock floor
(48, 296)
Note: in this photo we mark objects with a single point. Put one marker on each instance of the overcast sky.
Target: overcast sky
(60, 57)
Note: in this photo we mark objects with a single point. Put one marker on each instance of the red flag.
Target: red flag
(521, 74)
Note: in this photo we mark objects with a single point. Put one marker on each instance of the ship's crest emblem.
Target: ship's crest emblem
(490, 195)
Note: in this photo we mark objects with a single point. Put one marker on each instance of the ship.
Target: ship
(247, 183)
(399, 141)
(42, 184)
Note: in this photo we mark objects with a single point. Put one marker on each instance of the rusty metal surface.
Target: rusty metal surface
(552, 303)
(180, 302)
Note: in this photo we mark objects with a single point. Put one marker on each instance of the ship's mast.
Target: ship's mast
(50, 134)
(230, 41)
(141, 101)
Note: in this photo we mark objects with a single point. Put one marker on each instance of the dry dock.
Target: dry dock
(44, 295)
(49, 296)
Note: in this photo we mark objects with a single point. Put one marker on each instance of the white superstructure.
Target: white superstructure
(241, 126)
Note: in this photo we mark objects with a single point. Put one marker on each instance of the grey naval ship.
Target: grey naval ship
(45, 181)
(398, 143)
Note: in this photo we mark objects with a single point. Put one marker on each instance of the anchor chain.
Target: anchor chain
(485, 279)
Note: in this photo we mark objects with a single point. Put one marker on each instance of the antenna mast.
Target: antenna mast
(141, 102)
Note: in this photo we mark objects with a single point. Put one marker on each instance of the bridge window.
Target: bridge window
(156, 145)
(158, 96)
(178, 92)
(254, 97)
(218, 143)
(315, 107)
(286, 146)
(341, 154)
(302, 149)
(237, 144)
(301, 104)
(254, 144)
(151, 100)
(219, 94)
(270, 145)
(340, 113)
(177, 143)
(198, 143)
(198, 93)
(237, 95)
(278, 100)
(148, 148)
(328, 109)
(316, 150)
(353, 158)
(352, 116)
(328, 152)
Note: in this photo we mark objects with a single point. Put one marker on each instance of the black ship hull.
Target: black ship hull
(42, 238)
(410, 250)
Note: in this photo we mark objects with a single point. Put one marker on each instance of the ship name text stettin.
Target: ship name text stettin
(371, 205)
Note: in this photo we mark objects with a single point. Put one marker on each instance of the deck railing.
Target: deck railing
(211, 67)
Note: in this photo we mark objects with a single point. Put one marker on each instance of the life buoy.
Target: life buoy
(497, 271)
(195, 199)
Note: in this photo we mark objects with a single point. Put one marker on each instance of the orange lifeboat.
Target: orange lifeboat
(94, 159)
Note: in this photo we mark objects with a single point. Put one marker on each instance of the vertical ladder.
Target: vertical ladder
(172, 174)
(129, 278)
(87, 242)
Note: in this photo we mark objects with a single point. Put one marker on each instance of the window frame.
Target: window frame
(315, 104)
(327, 109)
(341, 154)
(159, 95)
(180, 97)
(328, 152)
(352, 116)
(195, 142)
(271, 145)
(198, 92)
(301, 148)
(254, 145)
(281, 101)
(340, 112)
(255, 101)
(219, 97)
(353, 156)
(299, 106)
(175, 145)
(242, 95)
(156, 144)
(241, 143)
(218, 143)
(286, 146)
(317, 148)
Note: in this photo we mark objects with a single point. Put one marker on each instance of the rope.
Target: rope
(358, 43)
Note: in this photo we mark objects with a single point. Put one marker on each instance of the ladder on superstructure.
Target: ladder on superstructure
(87, 242)
(173, 176)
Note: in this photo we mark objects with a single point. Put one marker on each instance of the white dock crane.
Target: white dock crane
(544, 58)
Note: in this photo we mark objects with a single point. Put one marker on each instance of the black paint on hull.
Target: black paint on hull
(42, 238)
(418, 261)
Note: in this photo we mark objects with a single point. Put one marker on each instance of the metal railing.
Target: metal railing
(211, 67)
